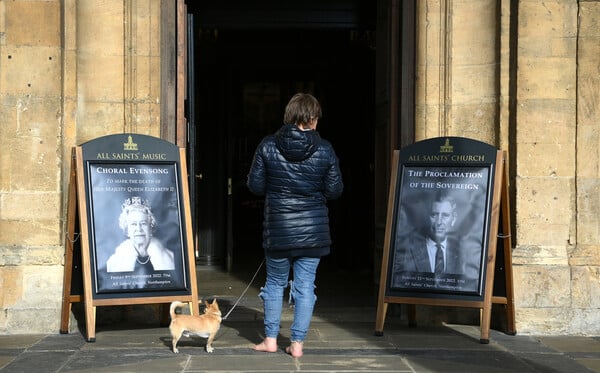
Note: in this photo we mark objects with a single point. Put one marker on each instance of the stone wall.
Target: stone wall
(457, 70)
(529, 86)
(31, 236)
(584, 258)
(556, 254)
(70, 71)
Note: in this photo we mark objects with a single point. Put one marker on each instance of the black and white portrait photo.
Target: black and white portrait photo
(140, 252)
(439, 233)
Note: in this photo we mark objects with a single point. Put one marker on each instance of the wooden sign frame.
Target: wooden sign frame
(109, 176)
(470, 172)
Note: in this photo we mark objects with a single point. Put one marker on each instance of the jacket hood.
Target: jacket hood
(294, 144)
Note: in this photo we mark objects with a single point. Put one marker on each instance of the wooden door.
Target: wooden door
(394, 102)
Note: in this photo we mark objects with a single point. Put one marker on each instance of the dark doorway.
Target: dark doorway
(248, 61)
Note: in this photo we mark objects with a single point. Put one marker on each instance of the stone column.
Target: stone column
(118, 67)
(457, 79)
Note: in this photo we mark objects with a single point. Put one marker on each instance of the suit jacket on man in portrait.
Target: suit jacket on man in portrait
(412, 255)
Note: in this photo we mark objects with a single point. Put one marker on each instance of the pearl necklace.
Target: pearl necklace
(137, 258)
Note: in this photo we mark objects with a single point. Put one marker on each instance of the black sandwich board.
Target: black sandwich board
(449, 192)
(127, 190)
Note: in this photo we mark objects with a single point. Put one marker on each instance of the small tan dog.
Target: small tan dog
(206, 325)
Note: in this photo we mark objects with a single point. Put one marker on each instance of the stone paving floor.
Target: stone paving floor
(341, 339)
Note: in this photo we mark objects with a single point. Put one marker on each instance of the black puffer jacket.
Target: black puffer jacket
(297, 172)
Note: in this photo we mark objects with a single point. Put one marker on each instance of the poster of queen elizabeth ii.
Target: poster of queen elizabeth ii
(140, 252)
(138, 237)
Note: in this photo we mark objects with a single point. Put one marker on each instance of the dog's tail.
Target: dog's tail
(174, 305)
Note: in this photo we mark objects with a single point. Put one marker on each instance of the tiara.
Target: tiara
(136, 202)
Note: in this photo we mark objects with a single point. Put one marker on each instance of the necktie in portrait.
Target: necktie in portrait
(439, 259)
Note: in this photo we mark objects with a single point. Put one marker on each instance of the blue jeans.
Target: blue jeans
(302, 294)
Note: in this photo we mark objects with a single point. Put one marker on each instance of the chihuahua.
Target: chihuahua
(205, 325)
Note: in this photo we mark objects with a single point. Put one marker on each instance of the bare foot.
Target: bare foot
(267, 345)
(295, 349)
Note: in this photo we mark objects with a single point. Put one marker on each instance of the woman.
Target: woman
(297, 171)
(141, 252)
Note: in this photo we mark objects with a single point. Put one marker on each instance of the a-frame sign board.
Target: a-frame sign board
(129, 199)
(452, 191)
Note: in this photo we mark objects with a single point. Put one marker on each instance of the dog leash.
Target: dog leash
(245, 290)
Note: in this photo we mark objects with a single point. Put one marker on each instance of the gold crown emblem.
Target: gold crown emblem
(130, 145)
(447, 148)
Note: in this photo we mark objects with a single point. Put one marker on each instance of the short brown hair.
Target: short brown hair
(301, 108)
